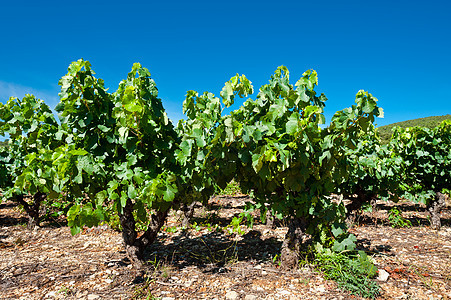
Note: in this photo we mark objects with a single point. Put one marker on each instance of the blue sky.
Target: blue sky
(397, 50)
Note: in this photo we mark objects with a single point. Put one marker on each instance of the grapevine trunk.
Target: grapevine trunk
(291, 245)
(270, 220)
(434, 209)
(188, 212)
(134, 246)
(357, 201)
(32, 209)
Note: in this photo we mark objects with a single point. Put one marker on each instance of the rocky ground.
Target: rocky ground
(209, 261)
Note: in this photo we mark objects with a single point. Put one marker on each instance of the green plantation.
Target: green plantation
(385, 132)
(116, 158)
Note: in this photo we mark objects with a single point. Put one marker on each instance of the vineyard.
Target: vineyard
(317, 210)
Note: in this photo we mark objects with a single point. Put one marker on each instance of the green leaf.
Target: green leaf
(85, 164)
(100, 198)
(292, 125)
(74, 230)
(123, 199)
(78, 152)
(257, 162)
(169, 193)
(185, 146)
(337, 231)
(346, 244)
(103, 128)
(123, 132)
(131, 193)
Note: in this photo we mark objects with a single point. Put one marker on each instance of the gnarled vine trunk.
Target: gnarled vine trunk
(356, 204)
(188, 212)
(32, 209)
(270, 220)
(291, 245)
(434, 209)
(134, 246)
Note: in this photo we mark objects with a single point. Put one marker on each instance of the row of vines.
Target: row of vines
(117, 155)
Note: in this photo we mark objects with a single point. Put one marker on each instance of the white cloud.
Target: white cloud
(8, 89)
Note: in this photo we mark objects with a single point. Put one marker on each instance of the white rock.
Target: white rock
(284, 293)
(51, 294)
(258, 267)
(383, 275)
(93, 297)
(321, 289)
(250, 297)
(232, 295)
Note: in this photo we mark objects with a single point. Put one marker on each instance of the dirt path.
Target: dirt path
(207, 261)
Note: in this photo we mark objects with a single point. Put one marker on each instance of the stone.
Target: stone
(51, 294)
(284, 293)
(232, 295)
(383, 275)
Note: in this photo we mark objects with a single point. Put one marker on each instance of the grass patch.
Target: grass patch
(352, 272)
(396, 219)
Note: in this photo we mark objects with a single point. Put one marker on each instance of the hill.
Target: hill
(429, 122)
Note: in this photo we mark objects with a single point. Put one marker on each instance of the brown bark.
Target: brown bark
(434, 209)
(270, 220)
(134, 246)
(32, 209)
(291, 245)
(188, 212)
(356, 204)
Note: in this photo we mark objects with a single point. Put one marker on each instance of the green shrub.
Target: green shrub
(352, 272)
(396, 219)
